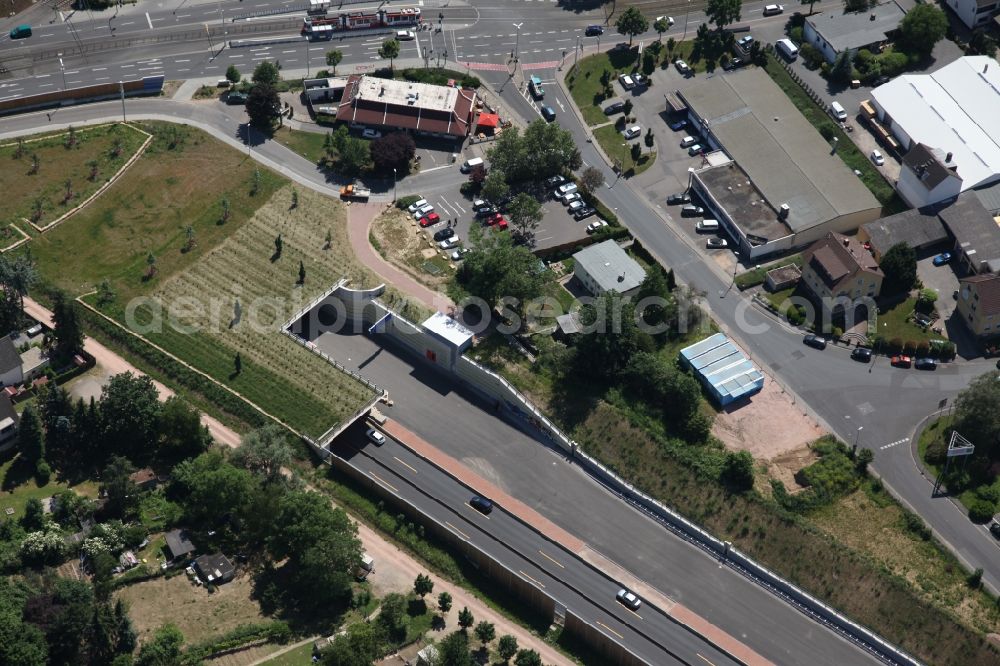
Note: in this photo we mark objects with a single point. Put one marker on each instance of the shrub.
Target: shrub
(936, 451)
(909, 346)
(42, 472)
(468, 188)
(923, 348)
(827, 131)
(895, 344)
(917, 526)
(947, 351)
(981, 511)
(989, 493)
(405, 202)
(975, 579)
(838, 332)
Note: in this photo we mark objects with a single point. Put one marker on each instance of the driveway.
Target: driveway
(941, 279)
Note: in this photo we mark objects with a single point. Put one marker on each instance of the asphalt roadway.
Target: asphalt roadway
(649, 633)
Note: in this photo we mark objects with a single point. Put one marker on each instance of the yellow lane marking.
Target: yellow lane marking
(633, 612)
(554, 561)
(383, 481)
(476, 511)
(705, 660)
(464, 535)
(412, 469)
(538, 583)
(610, 629)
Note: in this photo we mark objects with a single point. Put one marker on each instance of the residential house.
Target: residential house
(974, 13)
(605, 267)
(11, 373)
(837, 31)
(927, 176)
(8, 423)
(836, 267)
(34, 360)
(979, 304)
(179, 544)
(215, 568)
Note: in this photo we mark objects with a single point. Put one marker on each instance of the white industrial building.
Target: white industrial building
(607, 267)
(955, 114)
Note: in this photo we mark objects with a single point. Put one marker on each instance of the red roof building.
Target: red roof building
(418, 107)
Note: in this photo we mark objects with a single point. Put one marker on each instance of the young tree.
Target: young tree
(264, 452)
(631, 23)
(227, 210)
(444, 602)
(591, 179)
(120, 489)
(333, 59)
(35, 165)
(671, 45)
(295, 198)
(278, 246)
(423, 585)
(233, 75)
(525, 214)
(865, 457)
(923, 26)
(181, 433)
(66, 332)
(507, 647)
(263, 105)
(843, 67)
(34, 515)
(465, 618)
(454, 650)
(237, 363)
(392, 151)
(150, 265)
(354, 156)
(495, 186)
(636, 152)
(723, 12)
(328, 240)
(189, 238)
(648, 62)
(105, 293)
(899, 264)
(302, 273)
(527, 658)
(648, 140)
(18, 276)
(163, 650)
(737, 470)
(660, 26)
(266, 73)
(485, 632)
(389, 50)
(257, 179)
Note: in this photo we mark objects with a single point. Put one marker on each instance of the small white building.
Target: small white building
(606, 266)
(974, 13)
(11, 372)
(837, 31)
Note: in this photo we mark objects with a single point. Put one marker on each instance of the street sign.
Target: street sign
(959, 446)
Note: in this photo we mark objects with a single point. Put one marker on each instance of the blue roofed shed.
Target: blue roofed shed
(724, 370)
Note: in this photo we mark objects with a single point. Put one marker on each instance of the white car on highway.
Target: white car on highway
(376, 437)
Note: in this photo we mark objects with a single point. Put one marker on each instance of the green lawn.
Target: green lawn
(300, 656)
(619, 150)
(892, 323)
(935, 431)
(307, 144)
(584, 81)
(756, 276)
(777, 298)
(848, 152)
(17, 486)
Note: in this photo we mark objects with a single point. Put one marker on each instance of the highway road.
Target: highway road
(649, 633)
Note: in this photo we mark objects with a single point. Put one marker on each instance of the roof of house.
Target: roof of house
(784, 273)
(179, 543)
(610, 267)
(33, 358)
(7, 410)
(448, 330)
(988, 288)
(215, 565)
(422, 107)
(9, 358)
(853, 30)
(783, 155)
(917, 227)
(931, 166)
(837, 258)
(975, 231)
(953, 109)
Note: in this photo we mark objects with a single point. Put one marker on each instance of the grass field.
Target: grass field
(307, 144)
(619, 150)
(17, 486)
(584, 82)
(300, 656)
(57, 164)
(892, 323)
(197, 613)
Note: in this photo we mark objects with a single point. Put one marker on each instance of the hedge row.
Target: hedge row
(268, 632)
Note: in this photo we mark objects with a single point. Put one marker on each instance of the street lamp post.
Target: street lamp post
(394, 185)
(686, 15)
(857, 437)
(517, 41)
(576, 51)
(121, 89)
(62, 68)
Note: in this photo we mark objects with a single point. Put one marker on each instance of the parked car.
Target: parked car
(430, 220)
(733, 63)
(745, 42)
(498, 221)
(882, 80)
(564, 189)
(627, 81)
(370, 133)
(593, 31)
(678, 125)
(995, 528)
(460, 253)
(554, 181)
(548, 113)
(570, 198)
(925, 364)
(814, 341)
(863, 354)
(613, 108)
(628, 599)
(596, 225)
(668, 19)
(942, 259)
(233, 97)
(575, 206)
(422, 211)
(584, 213)
(695, 149)
(441, 234)
(692, 211)
(449, 243)
(877, 157)
(901, 361)
(682, 66)
(417, 205)
(376, 437)
(716, 243)
(481, 504)
(772, 10)
(677, 199)
(632, 132)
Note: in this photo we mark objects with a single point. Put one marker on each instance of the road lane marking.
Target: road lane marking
(458, 531)
(703, 659)
(383, 481)
(474, 509)
(896, 443)
(632, 611)
(412, 469)
(149, 21)
(553, 560)
(536, 582)
(610, 629)
(100, 69)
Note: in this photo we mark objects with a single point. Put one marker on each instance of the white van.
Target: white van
(707, 225)
(563, 190)
(367, 566)
(688, 141)
(787, 48)
(838, 112)
(471, 164)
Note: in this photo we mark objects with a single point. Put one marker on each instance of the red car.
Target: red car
(497, 220)
(901, 361)
(430, 219)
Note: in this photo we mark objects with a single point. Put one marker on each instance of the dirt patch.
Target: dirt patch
(752, 426)
(198, 614)
(787, 465)
(404, 245)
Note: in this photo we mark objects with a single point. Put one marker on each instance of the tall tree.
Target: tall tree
(660, 25)
(163, 650)
(391, 151)
(30, 440)
(899, 264)
(263, 105)
(843, 67)
(67, 332)
(977, 414)
(209, 487)
(353, 155)
(591, 179)
(18, 275)
(923, 26)
(444, 602)
(389, 50)
(495, 186)
(527, 657)
(525, 214)
(543, 150)
(56, 412)
(266, 73)
(724, 12)
(264, 451)
(485, 632)
(233, 75)
(631, 23)
(496, 267)
(465, 618)
(613, 336)
(120, 489)
(507, 647)
(453, 650)
(333, 58)
(423, 585)
(130, 411)
(182, 434)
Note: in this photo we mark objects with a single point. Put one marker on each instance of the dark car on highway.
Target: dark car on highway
(815, 341)
(442, 234)
(593, 31)
(863, 354)
(481, 504)
(925, 364)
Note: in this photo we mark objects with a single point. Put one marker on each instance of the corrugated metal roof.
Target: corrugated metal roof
(723, 368)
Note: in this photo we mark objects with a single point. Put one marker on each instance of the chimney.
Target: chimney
(847, 243)
(621, 278)
(986, 66)
(947, 158)
(872, 17)
(784, 211)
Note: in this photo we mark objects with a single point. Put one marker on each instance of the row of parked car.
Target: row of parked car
(864, 355)
(569, 194)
